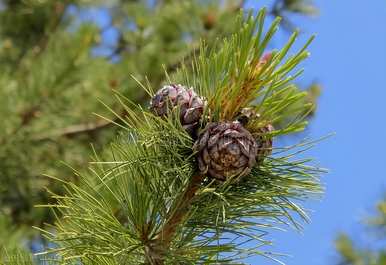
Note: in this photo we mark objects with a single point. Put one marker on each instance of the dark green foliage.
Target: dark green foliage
(135, 204)
(51, 84)
(15, 256)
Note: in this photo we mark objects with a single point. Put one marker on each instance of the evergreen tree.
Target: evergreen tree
(352, 253)
(192, 181)
(51, 84)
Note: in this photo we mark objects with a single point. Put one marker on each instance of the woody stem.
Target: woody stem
(176, 216)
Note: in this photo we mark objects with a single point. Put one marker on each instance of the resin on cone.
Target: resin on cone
(190, 104)
(225, 149)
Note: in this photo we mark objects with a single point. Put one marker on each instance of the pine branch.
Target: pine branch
(91, 127)
(140, 201)
(175, 217)
(76, 129)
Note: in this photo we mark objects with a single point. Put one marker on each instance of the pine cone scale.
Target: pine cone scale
(225, 149)
(216, 166)
(190, 104)
(234, 150)
(202, 166)
(213, 140)
(214, 153)
(241, 162)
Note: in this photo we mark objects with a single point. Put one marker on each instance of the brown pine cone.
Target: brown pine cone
(191, 105)
(225, 149)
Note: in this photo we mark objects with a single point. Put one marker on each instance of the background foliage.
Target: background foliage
(54, 74)
(355, 252)
(134, 206)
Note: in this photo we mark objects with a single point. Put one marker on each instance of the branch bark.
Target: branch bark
(75, 129)
(157, 249)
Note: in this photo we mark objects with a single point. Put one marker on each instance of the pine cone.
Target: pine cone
(264, 143)
(191, 105)
(225, 149)
(247, 114)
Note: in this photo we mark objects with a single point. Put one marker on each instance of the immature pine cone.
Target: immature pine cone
(264, 143)
(191, 105)
(225, 149)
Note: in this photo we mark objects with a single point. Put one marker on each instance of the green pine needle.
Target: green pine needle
(122, 202)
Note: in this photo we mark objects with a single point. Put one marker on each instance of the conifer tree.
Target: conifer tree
(51, 83)
(192, 180)
(352, 252)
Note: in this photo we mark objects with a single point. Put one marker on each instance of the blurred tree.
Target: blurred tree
(51, 81)
(58, 60)
(350, 253)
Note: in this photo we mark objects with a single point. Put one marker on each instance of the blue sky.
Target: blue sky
(348, 57)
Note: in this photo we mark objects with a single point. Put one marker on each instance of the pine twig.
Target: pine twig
(177, 215)
(76, 129)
